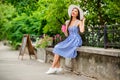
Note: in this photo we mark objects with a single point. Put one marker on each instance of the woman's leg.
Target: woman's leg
(58, 64)
(55, 65)
(56, 61)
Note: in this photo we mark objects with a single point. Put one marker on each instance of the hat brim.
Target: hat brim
(71, 7)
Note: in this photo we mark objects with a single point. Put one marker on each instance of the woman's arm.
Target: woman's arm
(81, 25)
(66, 31)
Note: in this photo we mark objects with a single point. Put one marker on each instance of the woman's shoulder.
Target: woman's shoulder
(67, 21)
(78, 20)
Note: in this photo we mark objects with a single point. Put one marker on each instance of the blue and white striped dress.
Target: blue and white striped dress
(67, 48)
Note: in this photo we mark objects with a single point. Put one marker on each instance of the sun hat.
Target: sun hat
(71, 7)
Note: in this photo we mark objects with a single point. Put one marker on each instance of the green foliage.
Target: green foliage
(24, 6)
(56, 15)
(36, 17)
(13, 25)
(24, 25)
(101, 12)
(44, 42)
(7, 13)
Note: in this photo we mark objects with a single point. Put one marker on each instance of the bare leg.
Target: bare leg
(58, 64)
(55, 65)
(56, 61)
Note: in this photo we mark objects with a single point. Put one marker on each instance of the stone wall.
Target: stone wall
(101, 67)
(102, 64)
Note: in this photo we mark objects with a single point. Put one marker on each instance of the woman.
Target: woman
(67, 48)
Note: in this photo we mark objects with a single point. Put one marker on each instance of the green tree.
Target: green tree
(24, 6)
(100, 12)
(35, 17)
(7, 13)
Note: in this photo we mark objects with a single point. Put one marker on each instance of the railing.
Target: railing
(107, 36)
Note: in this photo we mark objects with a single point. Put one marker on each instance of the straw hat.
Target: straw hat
(71, 7)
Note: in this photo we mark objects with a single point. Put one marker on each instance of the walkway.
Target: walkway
(12, 68)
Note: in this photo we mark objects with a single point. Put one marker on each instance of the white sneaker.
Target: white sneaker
(51, 71)
(58, 70)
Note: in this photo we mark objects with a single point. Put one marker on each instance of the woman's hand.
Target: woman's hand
(63, 28)
(83, 19)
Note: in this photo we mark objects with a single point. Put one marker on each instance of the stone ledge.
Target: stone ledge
(101, 51)
(100, 63)
(49, 49)
(94, 50)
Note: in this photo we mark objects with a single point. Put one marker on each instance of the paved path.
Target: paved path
(12, 68)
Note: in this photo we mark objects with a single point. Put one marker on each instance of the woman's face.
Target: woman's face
(74, 12)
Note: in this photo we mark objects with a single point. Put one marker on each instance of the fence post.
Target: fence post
(105, 36)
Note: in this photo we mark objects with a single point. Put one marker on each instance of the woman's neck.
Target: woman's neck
(74, 18)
